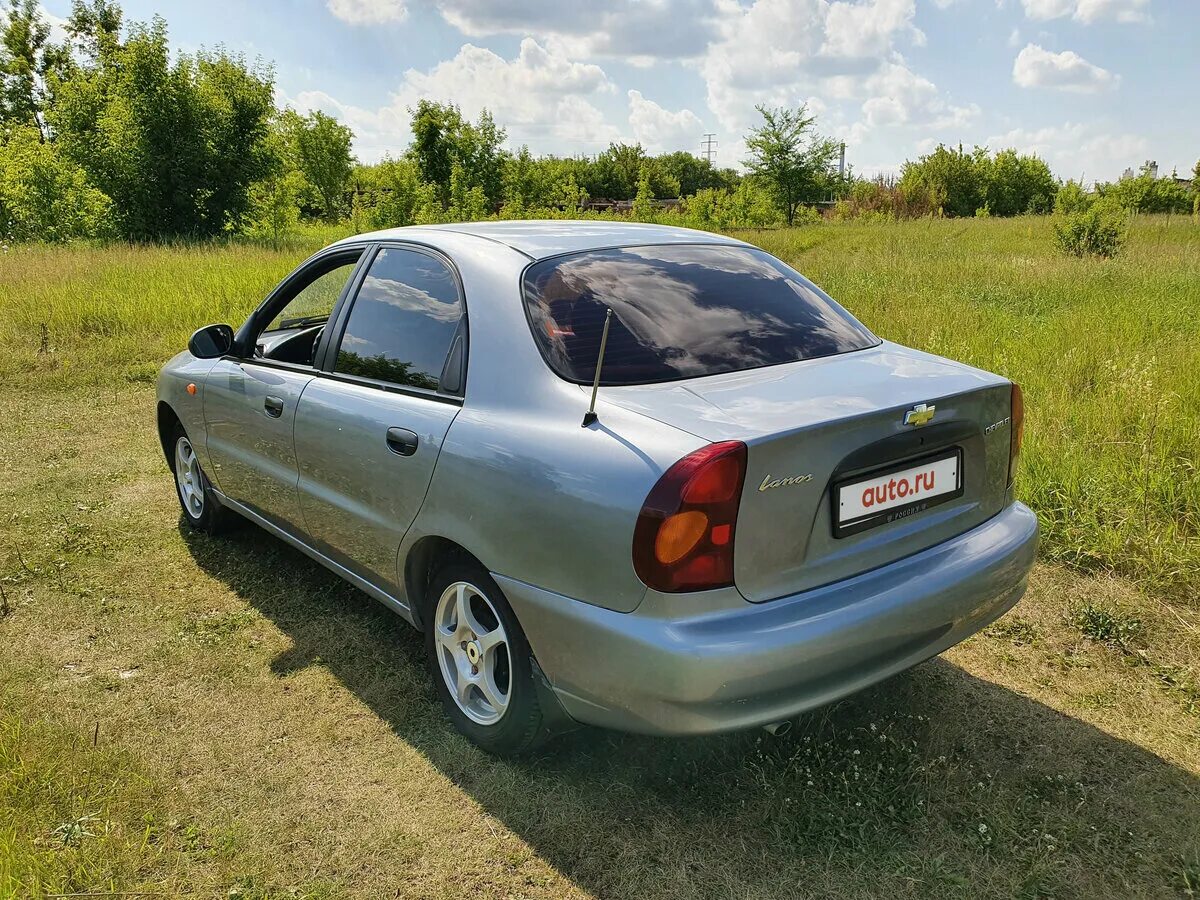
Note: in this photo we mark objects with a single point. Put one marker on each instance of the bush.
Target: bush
(1098, 230)
(1071, 198)
(883, 199)
(1146, 193)
(391, 194)
(44, 196)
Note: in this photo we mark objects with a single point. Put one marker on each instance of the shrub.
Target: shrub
(1146, 193)
(1098, 230)
(46, 197)
(1071, 198)
(390, 194)
(883, 198)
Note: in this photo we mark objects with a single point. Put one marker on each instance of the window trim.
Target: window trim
(522, 287)
(327, 356)
(274, 303)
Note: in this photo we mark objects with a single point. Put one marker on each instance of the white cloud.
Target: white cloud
(781, 52)
(540, 96)
(1088, 11)
(899, 96)
(861, 30)
(641, 30)
(368, 12)
(660, 130)
(1074, 150)
(1065, 71)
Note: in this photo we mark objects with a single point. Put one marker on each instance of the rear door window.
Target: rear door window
(403, 322)
(681, 311)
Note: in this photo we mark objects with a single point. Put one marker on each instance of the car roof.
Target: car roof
(541, 238)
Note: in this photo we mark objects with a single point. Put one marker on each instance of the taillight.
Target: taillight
(683, 540)
(1017, 431)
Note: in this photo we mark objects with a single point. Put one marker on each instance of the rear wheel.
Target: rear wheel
(480, 662)
(200, 506)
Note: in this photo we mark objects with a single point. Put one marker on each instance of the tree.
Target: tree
(274, 201)
(27, 58)
(789, 157)
(1016, 184)
(694, 174)
(643, 201)
(442, 138)
(318, 146)
(176, 146)
(524, 188)
(467, 202)
(391, 194)
(95, 27)
(1196, 189)
(955, 180)
(1147, 193)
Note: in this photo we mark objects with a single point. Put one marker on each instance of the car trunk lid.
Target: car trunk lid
(816, 426)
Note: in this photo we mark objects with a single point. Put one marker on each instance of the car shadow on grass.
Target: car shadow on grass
(935, 783)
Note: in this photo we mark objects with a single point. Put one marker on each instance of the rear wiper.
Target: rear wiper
(300, 321)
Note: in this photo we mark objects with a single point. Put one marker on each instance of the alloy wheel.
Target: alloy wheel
(473, 653)
(188, 478)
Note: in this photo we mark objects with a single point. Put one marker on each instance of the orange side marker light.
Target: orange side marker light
(191, 388)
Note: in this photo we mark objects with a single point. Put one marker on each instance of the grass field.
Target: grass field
(221, 718)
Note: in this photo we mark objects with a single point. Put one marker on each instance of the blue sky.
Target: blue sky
(1092, 86)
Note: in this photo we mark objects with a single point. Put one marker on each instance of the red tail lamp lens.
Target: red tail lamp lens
(683, 540)
(1017, 428)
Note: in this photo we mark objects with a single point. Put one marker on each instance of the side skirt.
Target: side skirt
(392, 603)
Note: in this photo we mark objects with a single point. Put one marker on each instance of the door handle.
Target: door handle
(273, 406)
(402, 441)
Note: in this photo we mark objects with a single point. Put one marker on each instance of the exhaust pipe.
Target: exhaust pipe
(779, 729)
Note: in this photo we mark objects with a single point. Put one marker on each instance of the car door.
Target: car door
(369, 429)
(251, 396)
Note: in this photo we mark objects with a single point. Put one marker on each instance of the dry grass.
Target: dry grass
(222, 718)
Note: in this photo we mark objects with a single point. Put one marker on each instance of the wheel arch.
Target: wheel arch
(424, 558)
(167, 421)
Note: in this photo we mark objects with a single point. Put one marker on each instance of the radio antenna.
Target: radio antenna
(590, 416)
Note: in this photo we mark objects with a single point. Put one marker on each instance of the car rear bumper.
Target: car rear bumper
(761, 663)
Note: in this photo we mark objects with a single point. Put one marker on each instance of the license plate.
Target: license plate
(867, 502)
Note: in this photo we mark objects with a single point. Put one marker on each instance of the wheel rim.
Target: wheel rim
(188, 478)
(473, 654)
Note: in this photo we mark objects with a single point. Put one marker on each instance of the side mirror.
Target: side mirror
(211, 341)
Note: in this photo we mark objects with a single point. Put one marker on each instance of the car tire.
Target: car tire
(482, 668)
(201, 508)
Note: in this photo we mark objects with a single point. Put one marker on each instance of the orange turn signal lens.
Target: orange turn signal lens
(678, 535)
(191, 388)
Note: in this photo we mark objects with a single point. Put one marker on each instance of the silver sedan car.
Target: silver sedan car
(632, 476)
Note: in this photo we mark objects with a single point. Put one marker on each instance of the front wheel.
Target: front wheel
(201, 508)
(480, 662)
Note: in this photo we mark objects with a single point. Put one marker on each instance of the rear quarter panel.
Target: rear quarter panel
(539, 499)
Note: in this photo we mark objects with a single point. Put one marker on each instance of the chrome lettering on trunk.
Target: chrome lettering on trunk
(767, 483)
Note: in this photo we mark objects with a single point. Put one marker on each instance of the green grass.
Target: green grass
(222, 718)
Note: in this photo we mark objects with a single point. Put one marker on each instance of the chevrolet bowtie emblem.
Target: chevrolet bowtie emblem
(921, 414)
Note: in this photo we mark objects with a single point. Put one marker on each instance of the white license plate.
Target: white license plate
(893, 495)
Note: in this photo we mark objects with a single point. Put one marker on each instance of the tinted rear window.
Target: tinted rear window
(681, 311)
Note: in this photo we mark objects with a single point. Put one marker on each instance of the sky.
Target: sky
(1091, 86)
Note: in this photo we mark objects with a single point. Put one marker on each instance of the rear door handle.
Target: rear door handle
(273, 406)
(402, 441)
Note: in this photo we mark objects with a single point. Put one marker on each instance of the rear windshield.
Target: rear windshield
(681, 311)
